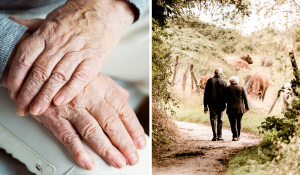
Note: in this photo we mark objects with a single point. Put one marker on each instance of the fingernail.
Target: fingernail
(12, 94)
(88, 164)
(20, 111)
(133, 159)
(141, 143)
(59, 100)
(35, 109)
(120, 162)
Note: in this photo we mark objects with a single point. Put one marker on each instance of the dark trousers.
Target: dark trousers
(235, 124)
(216, 121)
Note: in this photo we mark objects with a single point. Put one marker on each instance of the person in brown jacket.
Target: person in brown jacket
(213, 99)
(237, 105)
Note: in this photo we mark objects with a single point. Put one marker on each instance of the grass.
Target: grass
(193, 111)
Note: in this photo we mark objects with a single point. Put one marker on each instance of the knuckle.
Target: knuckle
(82, 76)
(68, 138)
(59, 77)
(47, 96)
(48, 28)
(90, 132)
(112, 124)
(71, 91)
(39, 74)
(125, 110)
(127, 146)
(21, 59)
(106, 151)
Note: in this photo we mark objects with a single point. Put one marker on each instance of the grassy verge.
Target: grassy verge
(191, 110)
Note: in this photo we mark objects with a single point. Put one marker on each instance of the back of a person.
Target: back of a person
(217, 87)
(234, 99)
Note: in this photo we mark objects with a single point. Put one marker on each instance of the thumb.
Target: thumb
(32, 24)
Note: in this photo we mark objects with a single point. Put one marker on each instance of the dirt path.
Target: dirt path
(195, 154)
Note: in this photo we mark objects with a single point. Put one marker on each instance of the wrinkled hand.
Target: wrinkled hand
(99, 108)
(66, 52)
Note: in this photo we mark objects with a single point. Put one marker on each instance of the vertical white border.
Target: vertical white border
(150, 83)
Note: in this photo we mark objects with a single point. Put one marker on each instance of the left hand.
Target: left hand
(66, 52)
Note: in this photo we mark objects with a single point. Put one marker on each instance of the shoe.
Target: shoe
(220, 139)
(235, 139)
(214, 139)
(238, 138)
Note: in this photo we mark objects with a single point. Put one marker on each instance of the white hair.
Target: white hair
(218, 71)
(234, 79)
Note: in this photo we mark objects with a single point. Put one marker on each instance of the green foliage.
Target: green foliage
(161, 94)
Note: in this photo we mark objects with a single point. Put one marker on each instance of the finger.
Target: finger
(24, 59)
(114, 128)
(90, 130)
(68, 136)
(83, 74)
(39, 74)
(59, 77)
(127, 115)
(32, 24)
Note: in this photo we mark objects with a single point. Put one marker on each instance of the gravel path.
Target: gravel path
(195, 154)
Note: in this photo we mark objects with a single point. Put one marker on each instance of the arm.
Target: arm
(207, 92)
(10, 33)
(245, 99)
(66, 52)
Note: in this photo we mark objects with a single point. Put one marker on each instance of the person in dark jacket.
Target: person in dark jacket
(237, 105)
(213, 98)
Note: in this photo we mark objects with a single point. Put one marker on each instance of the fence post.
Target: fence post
(295, 67)
(176, 73)
(185, 76)
(191, 69)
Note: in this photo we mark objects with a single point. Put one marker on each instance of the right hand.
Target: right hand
(65, 52)
(103, 118)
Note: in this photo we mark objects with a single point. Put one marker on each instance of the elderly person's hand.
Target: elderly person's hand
(101, 115)
(66, 52)
(103, 118)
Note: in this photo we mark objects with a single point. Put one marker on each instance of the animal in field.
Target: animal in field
(257, 85)
(242, 62)
(203, 81)
(287, 97)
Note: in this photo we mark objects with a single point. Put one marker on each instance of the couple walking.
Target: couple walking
(216, 95)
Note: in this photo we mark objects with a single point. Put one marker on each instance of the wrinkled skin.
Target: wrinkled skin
(66, 52)
(99, 108)
(99, 103)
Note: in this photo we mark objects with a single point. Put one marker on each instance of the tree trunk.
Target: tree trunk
(185, 76)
